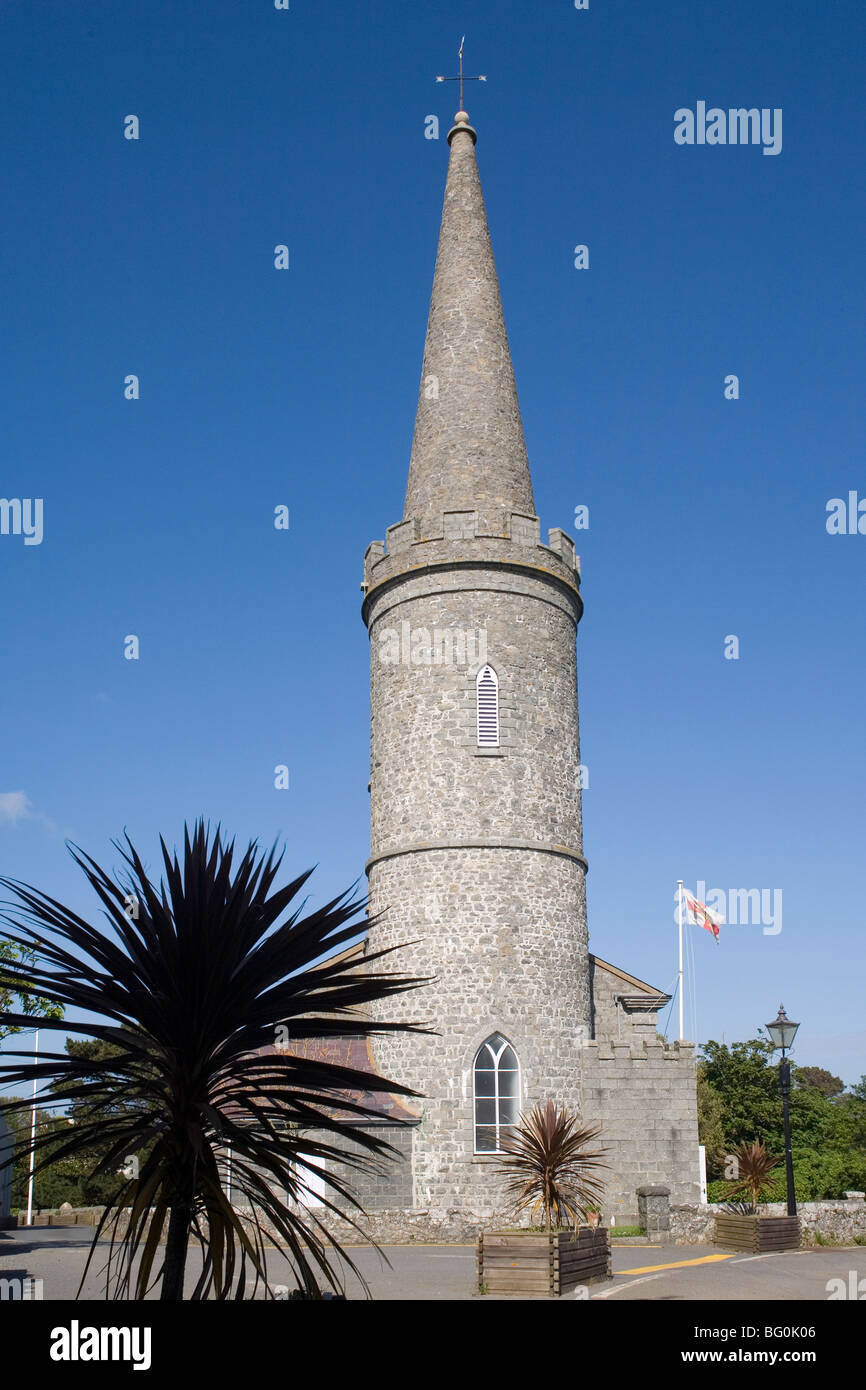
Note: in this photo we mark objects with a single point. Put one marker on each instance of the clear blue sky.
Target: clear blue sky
(259, 387)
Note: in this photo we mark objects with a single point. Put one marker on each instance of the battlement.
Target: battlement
(637, 1049)
(516, 528)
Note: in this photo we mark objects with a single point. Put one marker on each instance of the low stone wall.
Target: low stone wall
(66, 1216)
(455, 1227)
(838, 1223)
(419, 1227)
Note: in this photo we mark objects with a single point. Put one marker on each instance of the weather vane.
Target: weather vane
(459, 78)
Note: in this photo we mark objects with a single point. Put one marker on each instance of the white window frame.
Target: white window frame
(497, 1057)
(317, 1186)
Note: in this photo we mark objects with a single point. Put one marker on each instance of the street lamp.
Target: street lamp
(782, 1032)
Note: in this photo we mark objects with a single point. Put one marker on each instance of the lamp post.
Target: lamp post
(782, 1032)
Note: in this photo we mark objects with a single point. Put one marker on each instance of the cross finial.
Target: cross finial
(460, 74)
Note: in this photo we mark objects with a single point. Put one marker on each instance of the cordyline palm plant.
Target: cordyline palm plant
(550, 1168)
(755, 1172)
(194, 976)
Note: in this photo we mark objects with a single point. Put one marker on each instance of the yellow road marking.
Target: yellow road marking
(677, 1264)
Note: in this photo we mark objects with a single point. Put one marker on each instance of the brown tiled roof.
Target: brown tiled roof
(355, 1053)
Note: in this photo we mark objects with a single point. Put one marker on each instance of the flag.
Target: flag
(699, 915)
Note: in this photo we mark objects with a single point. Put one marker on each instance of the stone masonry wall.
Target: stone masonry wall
(429, 780)
(611, 1022)
(504, 934)
(389, 1189)
(838, 1223)
(476, 854)
(643, 1094)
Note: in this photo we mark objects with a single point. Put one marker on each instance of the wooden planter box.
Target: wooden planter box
(535, 1263)
(760, 1234)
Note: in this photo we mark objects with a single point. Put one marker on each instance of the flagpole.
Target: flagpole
(680, 921)
(32, 1138)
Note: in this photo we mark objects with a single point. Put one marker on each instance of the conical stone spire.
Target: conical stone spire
(468, 453)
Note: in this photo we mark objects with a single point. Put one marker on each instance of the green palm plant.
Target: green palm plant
(755, 1172)
(550, 1168)
(189, 983)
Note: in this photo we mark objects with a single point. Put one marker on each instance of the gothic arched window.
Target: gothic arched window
(496, 1077)
(487, 704)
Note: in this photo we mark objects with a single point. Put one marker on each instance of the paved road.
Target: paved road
(447, 1272)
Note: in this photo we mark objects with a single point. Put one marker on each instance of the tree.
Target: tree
(748, 1089)
(818, 1079)
(62, 1180)
(193, 976)
(711, 1131)
(850, 1124)
(828, 1128)
(97, 1188)
(15, 983)
(52, 1186)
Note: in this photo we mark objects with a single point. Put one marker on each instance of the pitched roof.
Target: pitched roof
(628, 979)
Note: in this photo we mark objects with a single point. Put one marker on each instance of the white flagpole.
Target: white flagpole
(32, 1137)
(680, 920)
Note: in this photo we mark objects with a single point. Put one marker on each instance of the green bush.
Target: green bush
(817, 1178)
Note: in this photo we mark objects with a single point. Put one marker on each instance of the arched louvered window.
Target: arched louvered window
(496, 1092)
(487, 702)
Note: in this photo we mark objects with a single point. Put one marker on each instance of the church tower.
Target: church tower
(476, 854)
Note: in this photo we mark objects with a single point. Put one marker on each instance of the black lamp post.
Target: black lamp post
(783, 1031)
